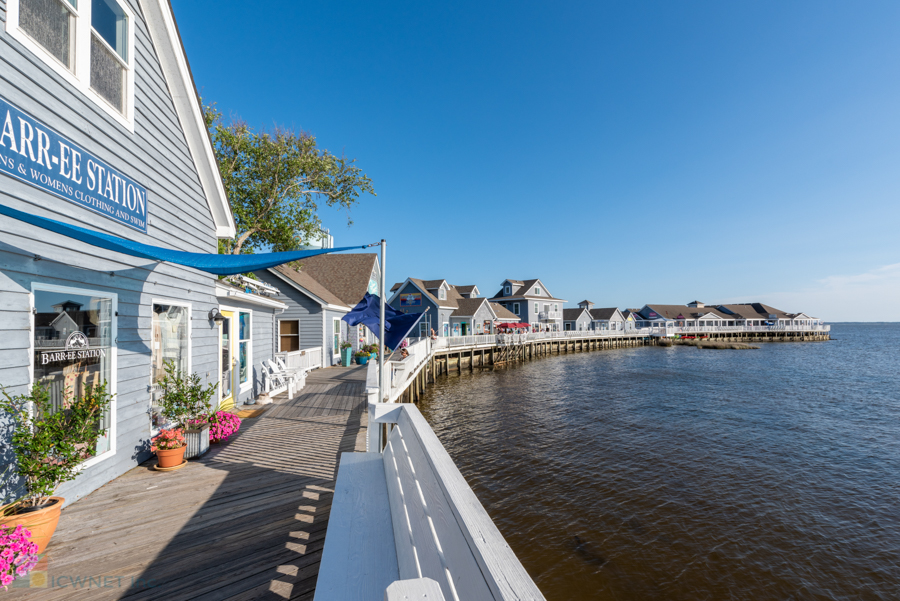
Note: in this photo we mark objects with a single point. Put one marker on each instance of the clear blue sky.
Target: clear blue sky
(622, 152)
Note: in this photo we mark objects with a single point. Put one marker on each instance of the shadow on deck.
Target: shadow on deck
(246, 521)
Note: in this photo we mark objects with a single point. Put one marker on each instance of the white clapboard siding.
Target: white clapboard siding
(359, 560)
(439, 544)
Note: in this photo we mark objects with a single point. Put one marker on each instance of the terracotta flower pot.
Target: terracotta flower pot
(41, 522)
(170, 457)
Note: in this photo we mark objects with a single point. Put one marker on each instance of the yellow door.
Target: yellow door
(227, 361)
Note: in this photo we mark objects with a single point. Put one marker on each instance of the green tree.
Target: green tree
(275, 181)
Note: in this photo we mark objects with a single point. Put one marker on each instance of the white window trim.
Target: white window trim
(190, 351)
(516, 308)
(508, 290)
(113, 364)
(80, 79)
(335, 355)
(278, 323)
(244, 386)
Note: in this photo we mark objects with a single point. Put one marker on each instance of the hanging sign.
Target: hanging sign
(34, 153)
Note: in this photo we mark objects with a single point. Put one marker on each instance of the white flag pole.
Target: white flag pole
(381, 326)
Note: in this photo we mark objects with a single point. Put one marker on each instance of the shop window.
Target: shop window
(74, 346)
(170, 343)
(288, 335)
(245, 347)
(88, 42)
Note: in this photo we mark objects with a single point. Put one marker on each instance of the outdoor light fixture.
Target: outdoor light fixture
(215, 316)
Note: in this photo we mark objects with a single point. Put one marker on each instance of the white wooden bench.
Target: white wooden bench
(406, 515)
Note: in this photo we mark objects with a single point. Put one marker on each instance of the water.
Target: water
(679, 473)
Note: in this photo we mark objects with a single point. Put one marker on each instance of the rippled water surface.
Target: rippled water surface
(679, 473)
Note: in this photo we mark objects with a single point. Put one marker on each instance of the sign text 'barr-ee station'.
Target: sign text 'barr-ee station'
(34, 153)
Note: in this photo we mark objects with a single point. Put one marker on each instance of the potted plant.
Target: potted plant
(362, 357)
(372, 349)
(186, 403)
(346, 351)
(50, 447)
(169, 447)
(18, 554)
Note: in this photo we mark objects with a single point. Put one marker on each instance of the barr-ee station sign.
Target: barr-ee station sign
(34, 153)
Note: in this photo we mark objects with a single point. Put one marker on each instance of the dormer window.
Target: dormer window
(442, 294)
(507, 290)
(90, 43)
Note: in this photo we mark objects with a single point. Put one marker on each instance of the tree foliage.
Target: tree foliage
(275, 181)
(51, 445)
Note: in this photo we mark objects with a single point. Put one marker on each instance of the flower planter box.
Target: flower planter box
(197, 442)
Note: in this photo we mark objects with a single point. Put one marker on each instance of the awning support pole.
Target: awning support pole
(381, 333)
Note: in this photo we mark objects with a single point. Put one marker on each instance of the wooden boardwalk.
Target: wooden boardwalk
(246, 521)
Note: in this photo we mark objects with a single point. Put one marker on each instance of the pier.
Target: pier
(245, 521)
(429, 358)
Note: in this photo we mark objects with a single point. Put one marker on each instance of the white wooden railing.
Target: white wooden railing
(306, 359)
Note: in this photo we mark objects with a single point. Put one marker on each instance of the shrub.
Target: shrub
(223, 424)
(184, 399)
(167, 440)
(51, 446)
(18, 555)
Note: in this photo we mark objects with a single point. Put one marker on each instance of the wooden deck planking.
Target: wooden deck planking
(247, 521)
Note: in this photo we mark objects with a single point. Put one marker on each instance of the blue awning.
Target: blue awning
(210, 263)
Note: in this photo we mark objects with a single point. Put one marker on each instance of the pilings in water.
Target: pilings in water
(445, 360)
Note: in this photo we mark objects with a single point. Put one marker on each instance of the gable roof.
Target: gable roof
(307, 284)
(681, 311)
(503, 313)
(467, 307)
(604, 314)
(175, 67)
(520, 288)
(433, 284)
(574, 314)
(468, 289)
(345, 276)
(448, 303)
(396, 286)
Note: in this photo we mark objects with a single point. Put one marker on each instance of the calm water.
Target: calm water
(679, 473)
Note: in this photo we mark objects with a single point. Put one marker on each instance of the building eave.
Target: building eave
(172, 58)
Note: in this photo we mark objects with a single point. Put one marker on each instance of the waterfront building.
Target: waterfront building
(576, 319)
(608, 318)
(472, 316)
(432, 297)
(698, 314)
(317, 294)
(532, 302)
(111, 138)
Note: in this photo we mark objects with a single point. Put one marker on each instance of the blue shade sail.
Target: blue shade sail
(210, 263)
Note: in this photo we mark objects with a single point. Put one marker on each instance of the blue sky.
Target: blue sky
(622, 152)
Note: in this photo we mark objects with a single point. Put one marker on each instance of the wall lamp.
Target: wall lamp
(215, 316)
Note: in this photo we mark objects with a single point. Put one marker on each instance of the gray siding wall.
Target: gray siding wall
(427, 306)
(300, 307)
(483, 314)
(156, 155)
